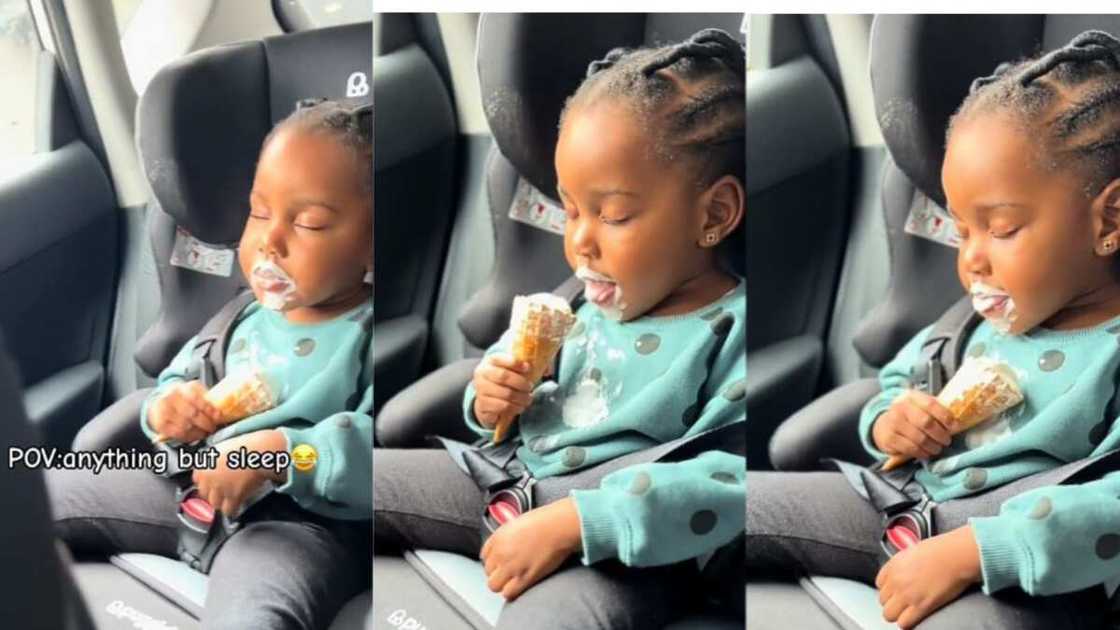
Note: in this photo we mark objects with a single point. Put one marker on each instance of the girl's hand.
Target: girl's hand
(915, 425)
(925, 577)
(501, 389)
(227, 488)
(531, 547)
(183, 413)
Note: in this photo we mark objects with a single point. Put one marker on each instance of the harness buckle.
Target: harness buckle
(907, 528)
(505, 503)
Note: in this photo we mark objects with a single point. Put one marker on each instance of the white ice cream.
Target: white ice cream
(994, 305)
(275, 287)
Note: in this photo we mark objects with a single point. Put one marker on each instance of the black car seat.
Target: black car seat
(44, 598)
(528, 64)
(200, 125)
(921, 68)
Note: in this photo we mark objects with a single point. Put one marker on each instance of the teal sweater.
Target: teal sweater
(319, 368)
(624, 387)
(1049, 540)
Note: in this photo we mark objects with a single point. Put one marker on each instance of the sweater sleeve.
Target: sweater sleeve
(1051, 540)
(340, 484)
(175, 372)
(894, 379)
(661, 513)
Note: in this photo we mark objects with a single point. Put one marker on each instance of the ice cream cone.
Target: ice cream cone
(241, 395)
(981, 389)
(539, 322)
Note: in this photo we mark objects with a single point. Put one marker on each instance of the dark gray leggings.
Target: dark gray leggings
(813, 522)
(285, 569)
(422, 500)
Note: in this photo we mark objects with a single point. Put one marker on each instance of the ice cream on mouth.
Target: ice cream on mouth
(274, 286)
(994, 305)
(602, 291)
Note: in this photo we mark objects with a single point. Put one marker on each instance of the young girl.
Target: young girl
(650, 169)
(306, 251)
(1032, 178)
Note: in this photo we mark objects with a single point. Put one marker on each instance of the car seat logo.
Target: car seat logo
(357, 85)
(139, 620)
(402, 621)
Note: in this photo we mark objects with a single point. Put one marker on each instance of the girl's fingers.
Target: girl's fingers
(507, 361)
(910, 617)
(925, 444)
(893, 608)
(501, 392)
(507, 378)
(513, 588)
(497, 579)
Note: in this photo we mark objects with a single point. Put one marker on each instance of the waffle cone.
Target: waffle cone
(981, 389)
(241, 395)
(539, 322)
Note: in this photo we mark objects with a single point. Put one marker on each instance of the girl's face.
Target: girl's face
(310, 215)
(1029, 234)
(633, 220)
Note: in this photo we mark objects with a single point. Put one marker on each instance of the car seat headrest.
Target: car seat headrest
(528, 65)
(202, 119)
(921, 68)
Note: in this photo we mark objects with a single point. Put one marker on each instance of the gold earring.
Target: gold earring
(1108, 246)
(710, 238)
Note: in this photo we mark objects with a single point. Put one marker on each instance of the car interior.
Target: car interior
(95, 304)
(478, 129)
(855, 154)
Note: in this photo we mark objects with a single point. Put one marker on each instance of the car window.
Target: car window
(19, 51)
(302, 15)
(125, 10)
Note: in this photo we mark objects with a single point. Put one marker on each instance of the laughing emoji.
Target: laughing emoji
(304, 457)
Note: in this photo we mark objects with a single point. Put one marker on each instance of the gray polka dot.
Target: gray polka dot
(577, 330)
(1041, 509)
(647, 343)
(712, 314)
(977, 349)
(736, 391)
(702, 522)
(344, 422)
(237, 346)
(1051, 360)
(690, 415)
(1108, 546)
(1098, 432)
(975, 478)
(537, 444)
(640, 483)
(305, 347)
(574, 456)
(595, 374)
(725, 477)
(1114, 329)
(723, 325)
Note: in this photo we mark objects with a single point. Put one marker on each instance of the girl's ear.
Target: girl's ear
(724, 203)
(1106, 209)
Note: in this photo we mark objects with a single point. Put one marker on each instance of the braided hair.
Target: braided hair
(349, 123)
(690, 97)
(1073, 93)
